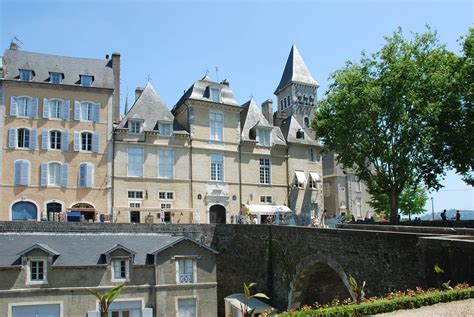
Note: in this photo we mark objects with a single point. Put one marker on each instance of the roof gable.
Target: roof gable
(252, 117)
(181, 240)
(39, 246)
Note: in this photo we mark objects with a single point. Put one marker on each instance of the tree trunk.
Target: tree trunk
(393, 206)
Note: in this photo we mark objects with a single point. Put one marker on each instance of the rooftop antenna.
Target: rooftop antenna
(207, 71)
(148, 78)
(16, 40)
(217, 73)
(251, 95)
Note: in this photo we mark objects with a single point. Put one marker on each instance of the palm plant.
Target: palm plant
(357, 289)
(107, 299)
(247, 296)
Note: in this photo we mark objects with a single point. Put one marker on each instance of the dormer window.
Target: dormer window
(300, 134)
(37, 272)
(26, 75)
(86, 80)
(134, 127)
(55, 78)
(120, 268)
(215, 95)
(306, 122)
(264, 136)
(165, 128)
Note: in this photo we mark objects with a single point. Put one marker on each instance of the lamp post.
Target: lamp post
(432, 208)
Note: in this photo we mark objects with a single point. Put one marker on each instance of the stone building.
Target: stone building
(49, 275)
(56, 116)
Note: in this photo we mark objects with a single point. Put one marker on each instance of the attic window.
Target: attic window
(26, 75)
(134, 127)
(86, 80)
(300, 134)
(264, 137)
(215, 95)
(165, 128)
(55, 78)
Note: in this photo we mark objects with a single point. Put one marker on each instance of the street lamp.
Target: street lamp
(432, 207)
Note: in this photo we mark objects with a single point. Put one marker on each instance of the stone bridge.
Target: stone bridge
(296, 265)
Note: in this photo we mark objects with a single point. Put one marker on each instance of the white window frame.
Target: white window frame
(264, 135)
(179, 259)
(26, 75)
(177, 298)
(24, 139)
(215, 169)
(52, 75)
(166, 194)
(133, 125)
(358, 208)
(135, 204)
(60, 104)
(127, 269)
(216, 125)
(90, 111)
(167, 168)
(28, 101)
(50, 139)
(129, 191)
(143, 159)
(83, 80)
(215, 92)
(165, 128)
(312, 184)
(265, 171)
(89, 143)
(13, 305)
(29, 279)
(267, 199)
(50, 184)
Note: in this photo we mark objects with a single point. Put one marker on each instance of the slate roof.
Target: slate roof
(295, 71)
(200, 91)
(71, 67)
(150, 108)
(290, 126)
(84, 249)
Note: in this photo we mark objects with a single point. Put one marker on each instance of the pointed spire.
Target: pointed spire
(126, 105)
(295, 71)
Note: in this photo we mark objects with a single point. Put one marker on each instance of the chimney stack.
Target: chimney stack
(267, 110)
(116, 72)
(13, 46)
(225, 83)
(138, 92)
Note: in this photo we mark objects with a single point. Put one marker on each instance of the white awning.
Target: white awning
(238, 300)
(315, 176)
(300, 176)
(267, 209)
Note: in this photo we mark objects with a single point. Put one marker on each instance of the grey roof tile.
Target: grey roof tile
(290, 126)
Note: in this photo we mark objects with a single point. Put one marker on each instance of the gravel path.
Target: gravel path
(461, 308)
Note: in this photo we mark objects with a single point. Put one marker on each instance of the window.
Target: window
(215, 95)
(217, 167)
(300, 134)
(23, 106)
(22, 172)
(187, 307)
(134, 126)
(135, 161)
(55, 140)
(40, 310)
(135, 194)
(300, 179)
(55, 109)
(312, 183)
(266, 199)
(86, 80)
(26, 75)
(165, 129)
(312, 156)
(166, 196)
(327, 189)
(216, 122)
(119, 270)
(135, 215)
(265, 171)
(165, 216)
(134, 205)
(358, 185)
(264, 136)
(86, 141)
(306, 122)
(23, 138)
(288, 98)
(186, 271)
(54, 171)
(281, 105)
(86, 175)
(358, 208)
(55, 78)
(23, 211)
(165, 163)
(87, 111)
(37, 271)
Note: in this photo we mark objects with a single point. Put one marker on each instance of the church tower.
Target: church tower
(297, 91)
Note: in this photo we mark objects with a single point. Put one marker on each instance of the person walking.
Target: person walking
(458, 215)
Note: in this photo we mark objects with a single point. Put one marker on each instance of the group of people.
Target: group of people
(456, 217)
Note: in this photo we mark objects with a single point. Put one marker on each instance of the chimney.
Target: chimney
(267, 110)
(116, 72)
(138, 92)
(106, 56)
(13, 46)
(225, 83)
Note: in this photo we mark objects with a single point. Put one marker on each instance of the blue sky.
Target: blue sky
(174, 42)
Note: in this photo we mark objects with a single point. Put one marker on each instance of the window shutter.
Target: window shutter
(33, 136)
(44, 139)
(65, 141)
(12, 133)
(77, 110)
(64, 174)
(45, 108)
(13, 106)
(17, 172)
(34, 108)
(25, 173)
(95, 142)
(65, 110)
(77, 141)
(146, 312)
(44, 174)
(89, 175)
(96, 112)
(95, 313)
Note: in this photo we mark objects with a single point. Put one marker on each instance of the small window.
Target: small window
(188, 307)
(300, 134)
(86, 175)
(119, 268)
(165, 129)
(24, 105)
(23, 138)
(186, 271)
(134, 216)
(55, 107)
(166, 195)
(26, 75)
(55, 78)
(215, 95)
(87, 111)
(289, 100)
(134, 127)
(281, 105)
(22, 170)
(311, 155)
(217, 167)
(264, 137)
(37, 271)
(54, 171)
(265, 176)
(306, 122)
(55, 140)
(86, 80)
(134, 205)
(86, 141)
(135, 194)
(359, 208)
(266, 199)
(312, 183)
(216, 125)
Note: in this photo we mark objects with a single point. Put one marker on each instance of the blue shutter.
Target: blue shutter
(44, 174)
(65, 141)
(64, 174)
(45, 108)
(12, 136)
(90, 175)
(96, 112)
(17, 173)
(95, 142)
(34, 108)
(13, 106)
(44, 139)
(77, 141)
(25, 173)
(33, 137)
(77, 110)
(65, 110)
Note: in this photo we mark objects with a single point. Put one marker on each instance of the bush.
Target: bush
(386, 305)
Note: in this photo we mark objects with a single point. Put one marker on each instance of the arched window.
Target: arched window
(55, 106)
(306, 122)
(24, 103)
(86, 141)
(55, 139)
(54, 178)
(23, 138)
(24, 210)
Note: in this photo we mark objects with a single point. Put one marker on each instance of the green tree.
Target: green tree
(107, 299)
(246, 312)
(411, 201)
(380, 114)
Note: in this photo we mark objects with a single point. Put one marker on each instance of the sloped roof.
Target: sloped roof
(71, 67)
(85, 249)
(39, 246)
(290, 126)
(295, 71)
(251, 116)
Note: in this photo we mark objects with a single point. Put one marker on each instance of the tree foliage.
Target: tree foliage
(107, 299)
(381, 114)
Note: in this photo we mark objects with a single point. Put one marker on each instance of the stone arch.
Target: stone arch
(217, 214)
(318, 278)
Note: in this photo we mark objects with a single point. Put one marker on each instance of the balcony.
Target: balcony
(186, 278)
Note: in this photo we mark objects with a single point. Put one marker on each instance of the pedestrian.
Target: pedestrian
(458, 215)
(443, 214)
